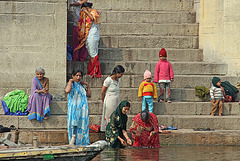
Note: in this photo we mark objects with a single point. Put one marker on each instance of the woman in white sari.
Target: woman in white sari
(110, 94)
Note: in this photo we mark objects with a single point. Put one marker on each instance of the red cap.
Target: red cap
(163, 53)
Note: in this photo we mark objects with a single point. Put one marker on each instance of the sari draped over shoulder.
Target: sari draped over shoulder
(88, 36)
(84, 26)
(117, 123)
(78, 114)
(143, 140)
(39, 103)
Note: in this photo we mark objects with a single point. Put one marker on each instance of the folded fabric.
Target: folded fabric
(201, 91)
(17, 113)
(16, 101)
(171, 128)
(94, 128)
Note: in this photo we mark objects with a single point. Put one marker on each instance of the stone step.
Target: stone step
(176, 42)
(49, 137)
(131, 29)
(155, 17)
(131, 94)
(144, 5)
(180, 81)
(139, 67)
(179, 121)
(205, 138)
(176, 137)
(139, 54)
(174, 108)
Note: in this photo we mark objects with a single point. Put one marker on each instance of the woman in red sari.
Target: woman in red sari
(88, 36)
(145, 130)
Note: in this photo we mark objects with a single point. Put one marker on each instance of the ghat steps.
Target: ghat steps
(132, 33)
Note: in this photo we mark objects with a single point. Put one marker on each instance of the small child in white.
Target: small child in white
(217, 96)
(147, 91)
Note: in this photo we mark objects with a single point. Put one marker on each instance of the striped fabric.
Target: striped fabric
(216, 93)
(38, 104)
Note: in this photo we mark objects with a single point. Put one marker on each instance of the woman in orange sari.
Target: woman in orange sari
(145, 130)
(88, 35)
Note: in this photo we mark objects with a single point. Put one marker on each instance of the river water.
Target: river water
(172, 153)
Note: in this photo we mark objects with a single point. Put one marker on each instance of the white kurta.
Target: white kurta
(111, 100)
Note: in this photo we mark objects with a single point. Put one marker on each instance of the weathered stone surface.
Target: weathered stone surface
(190, 137)
(203, 121)
(151, 5)
(53, 137)
(147, 17)
(177, 42)
(33, 34)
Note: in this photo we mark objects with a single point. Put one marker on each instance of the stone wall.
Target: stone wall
(33, 33)
(219, 33)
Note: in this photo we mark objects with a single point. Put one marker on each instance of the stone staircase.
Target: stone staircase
(132, 33)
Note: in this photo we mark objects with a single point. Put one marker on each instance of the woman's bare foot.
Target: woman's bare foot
(212, 114)
(220, 114)
(46, 117)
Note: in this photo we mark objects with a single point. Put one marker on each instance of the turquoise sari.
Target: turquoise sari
(78, 115)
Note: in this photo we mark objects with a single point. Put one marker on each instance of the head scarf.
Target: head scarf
(215, 80)
(117, 123)
(122, 117)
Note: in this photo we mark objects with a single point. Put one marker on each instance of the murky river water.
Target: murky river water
(172, 153)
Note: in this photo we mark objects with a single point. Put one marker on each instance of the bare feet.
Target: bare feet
(46, 117)
(220, 114)
(212, 114)
(168, 101)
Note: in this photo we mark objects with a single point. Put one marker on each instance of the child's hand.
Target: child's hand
(140, 98)
(171, 79)
(213, 101)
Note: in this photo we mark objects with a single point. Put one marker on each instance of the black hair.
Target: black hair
(75, 71)
(118, 69)
(145, 115)
(127, 104)
(87, 4)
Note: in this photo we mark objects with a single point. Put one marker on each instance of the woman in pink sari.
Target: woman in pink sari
(145, 130)
(88, 35)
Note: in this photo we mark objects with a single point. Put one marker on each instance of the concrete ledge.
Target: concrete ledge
(190, 137)
(49, 137)
(176, 137)
(228, 122)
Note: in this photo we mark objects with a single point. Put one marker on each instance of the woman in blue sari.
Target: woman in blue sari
(39, 101)
(78, 116)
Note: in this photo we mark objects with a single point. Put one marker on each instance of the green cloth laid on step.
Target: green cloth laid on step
(16, 101)
(229, 89)
(201, 91)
